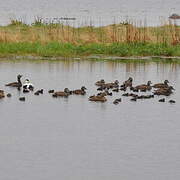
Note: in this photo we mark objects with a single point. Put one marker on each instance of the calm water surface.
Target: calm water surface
(73, 139)
(100, 12)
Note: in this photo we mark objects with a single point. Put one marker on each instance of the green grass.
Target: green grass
(55, 49)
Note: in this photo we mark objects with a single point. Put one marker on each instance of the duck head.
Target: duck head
(102, 81)
(130, 79)
(66, 90)
(83, 88)
(166, 82)
(149, 83)
(116, 82)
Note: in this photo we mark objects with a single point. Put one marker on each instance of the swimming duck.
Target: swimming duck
(28, 85)
(116, 101)
(162, 100)
(100, 83)
(51, 91)
(164, 91)
(144, 87)
(8, 95)
(161, 85)
(80, 91)
(97, 98)
(64, 93)
(2, 95)
(26, 90)
(39, 92)
(127, 83)
(172, 101)
(17, 84)
(115, 84)
(22, 98)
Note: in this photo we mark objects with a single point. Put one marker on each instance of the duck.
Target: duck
(39, 92)
(100, 83)
(116, 90)
(17, 84)
(105, 93)
(64, 93)
(80, 91)
(8, 95)
(51, 91)
(162, 100)
(161, 85)
(28, 85)
(164, 91)
(97, 98)
(2, 95)
(116, 101)
(134, 99)
(26, 90)
(144, 87)
(127, 83)
(114, 84)
(22, 98)
(172, 101)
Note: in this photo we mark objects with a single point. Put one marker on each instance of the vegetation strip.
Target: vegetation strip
(56, 49)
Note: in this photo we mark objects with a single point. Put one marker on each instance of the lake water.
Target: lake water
(100, 12)
(71, 138)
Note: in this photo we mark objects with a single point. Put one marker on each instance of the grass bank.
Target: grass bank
(55, 40)
(57, 49)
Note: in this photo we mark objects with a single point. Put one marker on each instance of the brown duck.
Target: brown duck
(161, 85)
(128, 83)
(97, 98)
(100, 83)
(80, 91)
(164, 91)
(64, 93)
(144, 86)
(2, 95)
(115, 84)
(17, 84)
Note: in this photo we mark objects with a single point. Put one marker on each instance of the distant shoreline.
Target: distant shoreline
(92, 57)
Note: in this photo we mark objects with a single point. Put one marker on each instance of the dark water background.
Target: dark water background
(73, 139)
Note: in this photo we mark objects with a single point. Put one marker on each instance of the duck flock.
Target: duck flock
(104, 89)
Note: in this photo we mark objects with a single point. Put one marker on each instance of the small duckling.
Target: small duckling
(115, 102)
(51, 91)
(8, 95)
(134, 99)
(172, 101)
(36, 93)
(41, 91)
(101, 88)
(116, 90)
(22, 98)
(126, 94)
(26, 90)
(162, 100)
(123, 88)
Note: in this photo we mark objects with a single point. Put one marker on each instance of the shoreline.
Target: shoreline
(91, 57)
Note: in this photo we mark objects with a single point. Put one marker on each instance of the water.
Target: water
(100, 12)
(71, 138)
